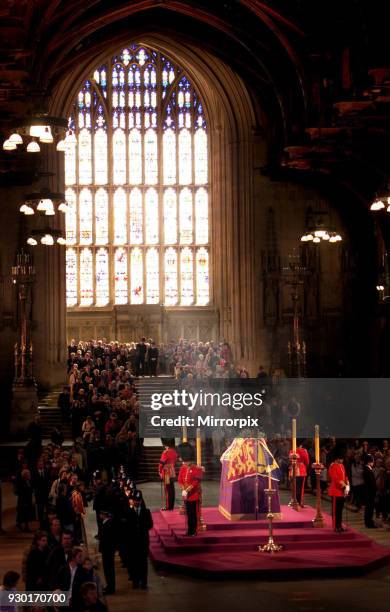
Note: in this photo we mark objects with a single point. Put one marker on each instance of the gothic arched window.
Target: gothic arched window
(137, 186)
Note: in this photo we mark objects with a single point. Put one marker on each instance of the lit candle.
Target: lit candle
(294, 436)
(198, 448)
(317, 442)
(184, 433)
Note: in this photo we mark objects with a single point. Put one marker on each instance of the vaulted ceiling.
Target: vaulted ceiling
(319, 70)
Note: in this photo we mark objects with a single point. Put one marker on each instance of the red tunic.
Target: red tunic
(166, 467)
(302, 462)
(189, 480)
(337, 475)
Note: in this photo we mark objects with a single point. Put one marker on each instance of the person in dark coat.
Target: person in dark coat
(34, 431)
(55, 533)
(152, 358)
(41, 485)
(111, 458)
(59, 556)
(100, 497)
(107, 547)
(64, 509)
(90, 600)
(139, 524)
(369, 492)
(71, 577)
(63, 404)
(24, 507)
(141, 350)
(56, 436)
(36, 562)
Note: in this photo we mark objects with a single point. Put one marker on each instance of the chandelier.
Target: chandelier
(321, 235)
(32, 131)
(317, 230)
(43, 202)
(47, 236)
(380, 203)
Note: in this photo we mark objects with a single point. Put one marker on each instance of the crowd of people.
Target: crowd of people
(55, 484)
(367, 471)
(50, 483)
(181, 359)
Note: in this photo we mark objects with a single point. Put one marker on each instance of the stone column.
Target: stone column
(241, 248)
(50, 300)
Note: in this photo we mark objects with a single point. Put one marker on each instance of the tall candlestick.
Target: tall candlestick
(198, 448)
(294, 435)
(184, 433)
(269, 478)
(317, 443)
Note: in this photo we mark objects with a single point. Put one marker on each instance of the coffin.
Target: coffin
(246, 466)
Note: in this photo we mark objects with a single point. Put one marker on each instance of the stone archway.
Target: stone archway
(233, 127)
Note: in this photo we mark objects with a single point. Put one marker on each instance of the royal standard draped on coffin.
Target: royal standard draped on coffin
(246, 460)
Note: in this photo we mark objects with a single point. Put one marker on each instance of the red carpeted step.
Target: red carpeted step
(228, 551)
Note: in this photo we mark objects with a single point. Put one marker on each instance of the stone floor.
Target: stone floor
(174, 593)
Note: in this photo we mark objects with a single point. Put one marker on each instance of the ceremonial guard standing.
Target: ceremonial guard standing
(338, 490)
(190, 476)
(301, 472)
(166, 470)
(140, 522)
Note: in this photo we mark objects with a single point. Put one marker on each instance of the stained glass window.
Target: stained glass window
(71, 277)
(135, 157)
(202, 277)
(170, 216)
(137, 185)
(119, 157)
(121, 277)
(102, 279)
(136, 217)
(151, 168)
(71, 217)
(169, 156)
(100, 157)
(137, 276)
(185, 157)
(200, 157)
(187, 276)
(70, 164)
(101, 216)
(201, 216)
(186, 234)
(85, 216)
(86, 278)
(85, 157)
(120, 216)
(152, 276)
(151, 216)
(171, 287)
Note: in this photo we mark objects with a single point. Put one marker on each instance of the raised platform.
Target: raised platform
(229, 548)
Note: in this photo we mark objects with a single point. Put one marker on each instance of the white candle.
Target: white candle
(294, 436)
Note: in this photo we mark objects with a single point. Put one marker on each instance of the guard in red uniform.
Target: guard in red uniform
(190, 476)
(338, 490)
(166, 470)
(301, 472)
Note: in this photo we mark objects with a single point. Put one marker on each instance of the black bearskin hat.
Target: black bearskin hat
(168, 442)
(339, 452)
(186, 451)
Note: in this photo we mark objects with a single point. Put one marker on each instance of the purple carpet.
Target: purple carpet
(229, 548)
